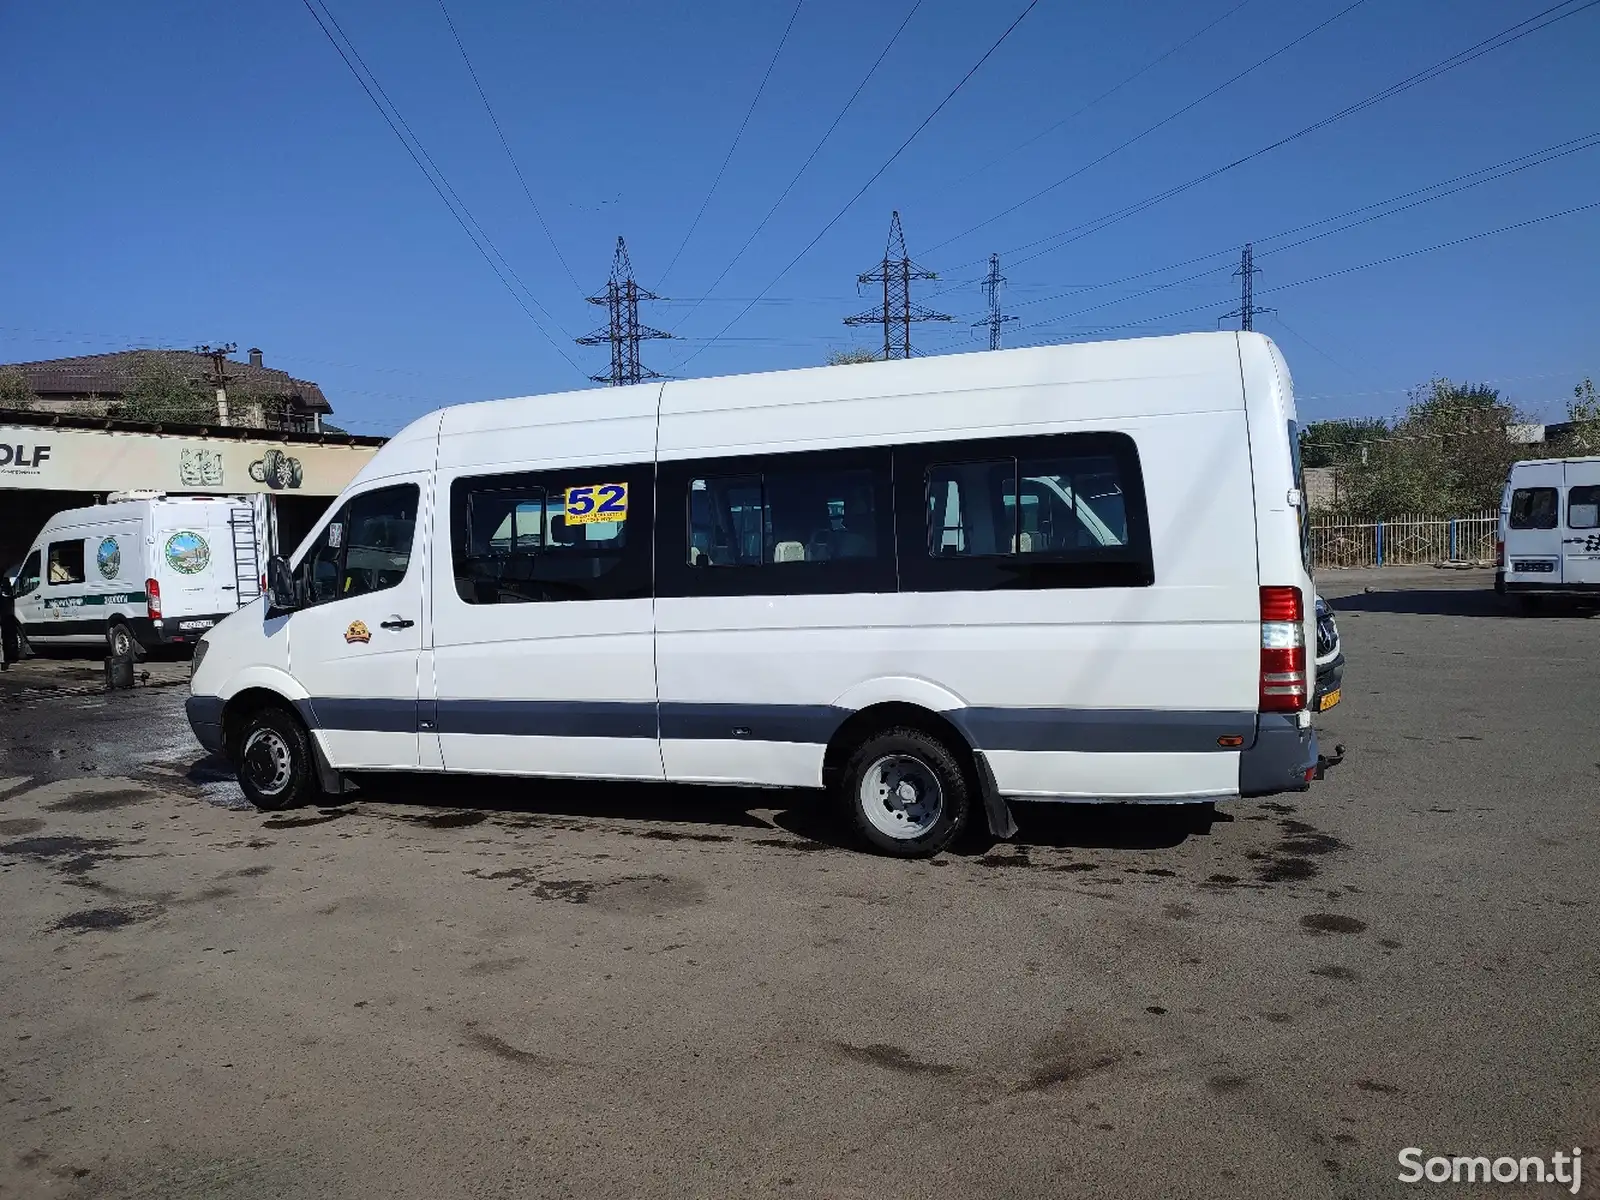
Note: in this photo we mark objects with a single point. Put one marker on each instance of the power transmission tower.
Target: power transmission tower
(991, 288)
(622, 332)
(1247, 310)
(896, 272)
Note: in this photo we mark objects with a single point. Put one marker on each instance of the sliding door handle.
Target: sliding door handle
(396, 623)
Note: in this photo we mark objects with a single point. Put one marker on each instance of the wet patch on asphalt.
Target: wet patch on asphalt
(20, 825)
(95, 802)
(106, 919)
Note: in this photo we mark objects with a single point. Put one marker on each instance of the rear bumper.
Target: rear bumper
(1281, 759)
(175, 631)
(205, 718)
(1515, 587)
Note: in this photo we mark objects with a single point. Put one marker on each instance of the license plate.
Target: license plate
(1329, 700)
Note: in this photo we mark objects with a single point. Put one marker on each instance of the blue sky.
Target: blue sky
(192, 172)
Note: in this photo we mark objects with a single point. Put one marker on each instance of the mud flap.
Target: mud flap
(329, 780)
(995, 808)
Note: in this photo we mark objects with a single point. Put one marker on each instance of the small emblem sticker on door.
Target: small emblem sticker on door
(358, 632)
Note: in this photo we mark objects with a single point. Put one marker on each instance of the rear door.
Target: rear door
(195, 559)
(355, 645)
(1580, 539)
(1533, 525)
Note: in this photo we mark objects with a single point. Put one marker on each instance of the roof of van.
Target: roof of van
(1124, 361)
(1546, 462)
(125, 510)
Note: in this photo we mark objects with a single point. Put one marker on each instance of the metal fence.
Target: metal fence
(1406, 541)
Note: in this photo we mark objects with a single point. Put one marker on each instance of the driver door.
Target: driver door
(355, 644)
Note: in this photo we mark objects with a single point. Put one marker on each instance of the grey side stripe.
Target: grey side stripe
(370, 716)
(549, 718)
(1125, 731)
(1108, 731)
(810, 724)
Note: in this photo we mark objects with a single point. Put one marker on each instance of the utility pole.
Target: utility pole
(991, 288)
(896, 272)
(622, 332)
(219, 375)
(1247, 310)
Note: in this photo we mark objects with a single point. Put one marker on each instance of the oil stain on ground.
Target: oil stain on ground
(94, 802)
(106, 919)
(502, 1049)
(1063, 1058)
(1331, 923)
(892, 1058)
(20, 825)
(1293, 858)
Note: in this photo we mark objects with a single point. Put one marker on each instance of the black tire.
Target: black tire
(120, 642)
(272, 754)
(904, 826)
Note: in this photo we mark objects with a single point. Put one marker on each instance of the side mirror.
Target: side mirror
(281, 593)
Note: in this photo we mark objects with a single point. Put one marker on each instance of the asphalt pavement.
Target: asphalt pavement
(528, 989)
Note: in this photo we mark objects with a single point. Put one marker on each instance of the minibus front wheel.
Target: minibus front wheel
(906, 793)
(273, 757)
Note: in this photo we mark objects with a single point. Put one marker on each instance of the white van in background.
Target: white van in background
(1549, 543)
(1064, 573)
(142, 570)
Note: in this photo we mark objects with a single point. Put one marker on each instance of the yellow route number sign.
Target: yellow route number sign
(596, 503)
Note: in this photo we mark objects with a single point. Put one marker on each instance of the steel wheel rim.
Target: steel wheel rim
(266, 761)
(901, 797)
(121, 642)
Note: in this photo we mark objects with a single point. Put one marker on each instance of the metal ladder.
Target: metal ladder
(246, 555)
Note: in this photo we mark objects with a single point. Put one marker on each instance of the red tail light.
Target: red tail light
(1283, 650)
(152, 602)
(1499, 553)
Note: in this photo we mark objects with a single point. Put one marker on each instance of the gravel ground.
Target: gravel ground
(502, 989)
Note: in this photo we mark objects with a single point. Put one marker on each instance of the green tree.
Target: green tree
(855, 354)
(1583, 410)
(1446, 456)
(15, 392)
(1334, 443)
(162, 392)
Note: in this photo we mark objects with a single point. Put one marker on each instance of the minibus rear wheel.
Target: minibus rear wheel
(272, 755)
(905, 792)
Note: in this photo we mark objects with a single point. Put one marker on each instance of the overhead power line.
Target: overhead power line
(1148, 130)
(435, 177)
(728, 157)
(1377, 262)
(506, 146)
(1105, 95)
(815, 150)
(1461, 58)
(1462, 183)
(876, 175)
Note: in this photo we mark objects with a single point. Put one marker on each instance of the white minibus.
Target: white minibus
(1073, 573)
(1549, 543)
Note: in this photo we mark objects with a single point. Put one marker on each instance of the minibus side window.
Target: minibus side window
(1583, 507)
(1535, 508)
(28, 577)
(365, 548)
(780, 517)
(552, 535)
(1047, 511)
(66, 562)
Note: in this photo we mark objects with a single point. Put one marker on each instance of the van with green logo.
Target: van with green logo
(142, 570)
